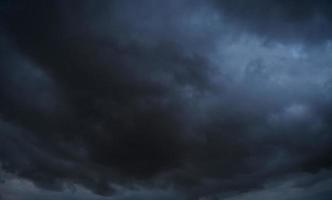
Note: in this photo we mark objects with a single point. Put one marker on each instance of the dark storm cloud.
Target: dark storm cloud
(104, 94)
(305, 21)
(125, 103)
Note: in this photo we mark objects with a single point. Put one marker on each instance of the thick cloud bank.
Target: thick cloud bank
(185, 99)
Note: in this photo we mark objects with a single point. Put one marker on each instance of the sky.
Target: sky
(170, 100)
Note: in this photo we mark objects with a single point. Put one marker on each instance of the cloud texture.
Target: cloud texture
(208, 98)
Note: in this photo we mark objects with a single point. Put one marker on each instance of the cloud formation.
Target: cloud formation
(303, 21)
(205, 97)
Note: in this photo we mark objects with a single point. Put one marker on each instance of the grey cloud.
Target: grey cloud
(162, 94)
(289, 190)
(302, 21)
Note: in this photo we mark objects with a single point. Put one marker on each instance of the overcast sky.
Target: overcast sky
(170, 100)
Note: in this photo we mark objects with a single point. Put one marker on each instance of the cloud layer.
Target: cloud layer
(204, 97)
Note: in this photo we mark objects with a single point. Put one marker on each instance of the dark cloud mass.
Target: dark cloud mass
(306, 20)
(179, 99)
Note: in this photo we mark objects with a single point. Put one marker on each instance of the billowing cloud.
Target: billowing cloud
(303, 21)
(111, 96)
